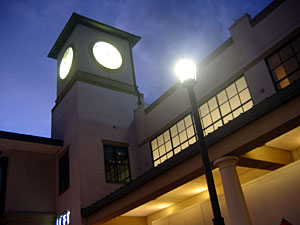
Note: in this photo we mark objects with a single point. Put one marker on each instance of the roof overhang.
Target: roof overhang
(23, 142)
(78, 19)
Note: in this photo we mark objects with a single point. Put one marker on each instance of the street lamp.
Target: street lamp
(185, 69)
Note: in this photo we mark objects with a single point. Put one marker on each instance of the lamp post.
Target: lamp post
(186, 71)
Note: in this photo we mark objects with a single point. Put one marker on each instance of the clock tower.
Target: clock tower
(96, 97)
(90, 50)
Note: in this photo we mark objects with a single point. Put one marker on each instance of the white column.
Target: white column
(236, 204)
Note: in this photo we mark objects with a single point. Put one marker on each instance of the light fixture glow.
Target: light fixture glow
(199, 190)
(185, 69)
(107, 55)
(66, 63)
(163, 205)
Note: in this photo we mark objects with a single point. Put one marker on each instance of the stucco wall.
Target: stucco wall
(30, 182)
(274, 196)
(104, 114)
(65, 126)
(65, 115)
(99, 104)
(257, 79)
(277, 25)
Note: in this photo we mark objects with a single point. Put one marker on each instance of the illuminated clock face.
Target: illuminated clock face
(66, 63)
(107, 55)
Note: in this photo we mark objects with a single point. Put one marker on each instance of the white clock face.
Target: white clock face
(107, 55)
(66, 63)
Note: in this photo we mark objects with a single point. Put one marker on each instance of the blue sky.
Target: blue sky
(169, 28)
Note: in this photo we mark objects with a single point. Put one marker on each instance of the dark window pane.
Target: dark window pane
(3, 175)
(63, 172)
(286, 53)
(295, 76)
(291, 65)
(296, 45)
(274, 61)
(121, 155)
(116, 164)
(109, 154)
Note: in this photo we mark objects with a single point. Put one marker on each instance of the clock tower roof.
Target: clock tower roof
(78, 19)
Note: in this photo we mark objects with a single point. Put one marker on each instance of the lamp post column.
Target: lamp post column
(218, 219)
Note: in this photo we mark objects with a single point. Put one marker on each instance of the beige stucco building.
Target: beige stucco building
(113, 160)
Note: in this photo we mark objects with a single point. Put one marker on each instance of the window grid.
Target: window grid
(214, 113)
(229, 103)
(284, 64)
(116, 164)
(173, 140)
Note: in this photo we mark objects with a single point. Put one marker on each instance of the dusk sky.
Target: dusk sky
(169, 28)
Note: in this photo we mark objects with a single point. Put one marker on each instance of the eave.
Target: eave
(78, 19)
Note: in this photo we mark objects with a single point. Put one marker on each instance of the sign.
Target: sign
(64, 218)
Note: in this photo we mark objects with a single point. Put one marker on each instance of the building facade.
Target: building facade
(114, 160)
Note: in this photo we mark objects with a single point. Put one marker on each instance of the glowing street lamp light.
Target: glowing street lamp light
(185, 69)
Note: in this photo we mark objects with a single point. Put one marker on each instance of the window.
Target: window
(225, 106)
(172, 141)
(64, 172)
(3, 176)
(116, 164)
(228, 104)
(284, 64)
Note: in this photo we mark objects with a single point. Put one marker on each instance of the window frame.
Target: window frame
(4, 165)
(64, 172)
(295, 55)
(231, 111)
(115, 146)
(172, 144)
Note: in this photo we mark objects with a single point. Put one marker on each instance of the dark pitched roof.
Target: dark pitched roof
(78, 19)
(31, 138)
(253, 114)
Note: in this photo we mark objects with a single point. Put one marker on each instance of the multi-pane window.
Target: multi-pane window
(225, 106)
(64, 172)
(173, 140)
(116, 164)
(217, 111)
(284, 64)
